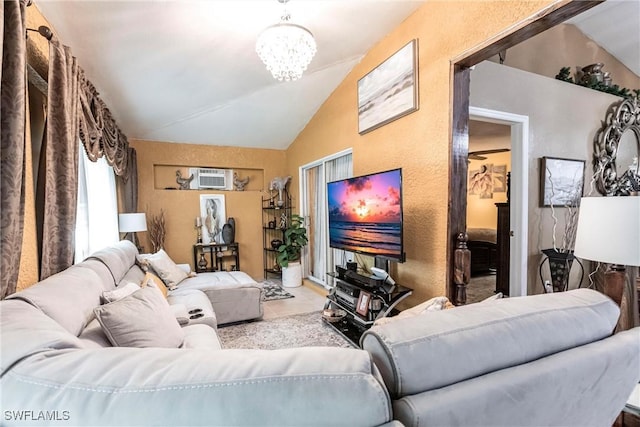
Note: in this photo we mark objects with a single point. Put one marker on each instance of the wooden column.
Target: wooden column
(461, 269)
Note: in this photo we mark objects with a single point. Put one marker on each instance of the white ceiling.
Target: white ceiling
(187, 71)
(613, 25)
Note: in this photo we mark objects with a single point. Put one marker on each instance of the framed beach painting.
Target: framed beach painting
(212, 211)
(561, 181)
(390, 90)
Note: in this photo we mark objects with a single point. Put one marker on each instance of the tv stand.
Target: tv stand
(364, 302)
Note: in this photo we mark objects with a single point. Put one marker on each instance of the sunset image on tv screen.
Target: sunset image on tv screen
(365, 214)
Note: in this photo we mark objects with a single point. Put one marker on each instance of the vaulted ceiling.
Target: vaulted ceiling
(187, 71)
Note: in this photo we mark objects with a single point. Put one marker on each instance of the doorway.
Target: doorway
(458, 171)
(518, 143)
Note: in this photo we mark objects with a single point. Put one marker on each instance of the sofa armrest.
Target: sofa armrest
(302, 386)
(181, 314)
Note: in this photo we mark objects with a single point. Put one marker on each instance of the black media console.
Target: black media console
(365, 298)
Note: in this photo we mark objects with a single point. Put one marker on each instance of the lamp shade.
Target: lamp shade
(132, 222)
(609, 230)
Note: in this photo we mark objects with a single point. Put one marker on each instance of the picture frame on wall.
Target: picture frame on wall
(362, 306)
(561, 181)
(212, 211)
(390, 90)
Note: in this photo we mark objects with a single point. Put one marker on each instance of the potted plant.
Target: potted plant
(288, 255)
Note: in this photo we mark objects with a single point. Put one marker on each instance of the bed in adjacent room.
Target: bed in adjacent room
(482, 244)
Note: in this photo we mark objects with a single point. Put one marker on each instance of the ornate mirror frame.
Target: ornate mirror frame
(621, 117)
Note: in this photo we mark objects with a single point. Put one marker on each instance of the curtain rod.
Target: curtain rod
(44, 31)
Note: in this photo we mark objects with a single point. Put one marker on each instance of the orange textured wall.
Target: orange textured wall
(182, 207)
(419, 142)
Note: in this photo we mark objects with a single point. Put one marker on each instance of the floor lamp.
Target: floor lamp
(609, 232)
(132, 223)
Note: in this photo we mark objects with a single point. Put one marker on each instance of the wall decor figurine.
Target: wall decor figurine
(184, 183)
(239, 184)
(279, 183)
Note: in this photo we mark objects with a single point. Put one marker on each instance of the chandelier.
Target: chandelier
(285, 48)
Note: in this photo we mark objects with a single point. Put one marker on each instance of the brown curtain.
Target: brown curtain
(130, 183)
(60, 178)
(12, 144)
(75, 113)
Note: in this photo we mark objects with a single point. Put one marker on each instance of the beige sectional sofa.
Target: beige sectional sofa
(540, 360)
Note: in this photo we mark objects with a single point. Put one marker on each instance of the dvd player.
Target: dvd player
(363, 279)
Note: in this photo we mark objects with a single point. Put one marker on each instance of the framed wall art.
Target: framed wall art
(212, 211)
(390, 90)
(561, 181)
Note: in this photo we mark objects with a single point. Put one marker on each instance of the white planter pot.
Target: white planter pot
(292, 275)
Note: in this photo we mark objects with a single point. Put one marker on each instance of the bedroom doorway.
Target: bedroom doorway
(498, 143)
(461, 69)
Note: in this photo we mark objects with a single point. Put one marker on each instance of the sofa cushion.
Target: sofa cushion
(118, 258)
(458, 344)
(93, 336)
(135, 275)
(106, 278)
(142, 319)
(164, 266)
(219, 280)
(68, 297)
(25, 330)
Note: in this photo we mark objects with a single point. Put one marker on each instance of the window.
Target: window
(97, 211)
(318, 258)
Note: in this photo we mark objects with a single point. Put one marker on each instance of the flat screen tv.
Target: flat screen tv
(365, 215)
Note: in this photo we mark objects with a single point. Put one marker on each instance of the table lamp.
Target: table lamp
(132, 223)
(609, 231)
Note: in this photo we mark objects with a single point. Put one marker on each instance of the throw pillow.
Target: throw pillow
(168, 271)
(142, 319)
(119, 292)
(154, 281)
(493, 297)
(434, 304)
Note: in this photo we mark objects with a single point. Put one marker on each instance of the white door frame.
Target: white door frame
(519, 195)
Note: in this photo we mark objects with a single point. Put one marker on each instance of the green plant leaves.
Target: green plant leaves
(295, 238)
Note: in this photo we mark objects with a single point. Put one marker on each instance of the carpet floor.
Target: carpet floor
(480, 288)
(300, 330)
(273, 291)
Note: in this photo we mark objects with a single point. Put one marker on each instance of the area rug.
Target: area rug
(273, 291)
(299, 330)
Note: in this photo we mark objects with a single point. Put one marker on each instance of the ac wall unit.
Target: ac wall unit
(208, 178)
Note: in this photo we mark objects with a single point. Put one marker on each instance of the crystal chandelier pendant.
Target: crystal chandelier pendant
(286, 49)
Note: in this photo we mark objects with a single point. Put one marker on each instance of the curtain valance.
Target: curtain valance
(98, 131)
